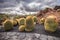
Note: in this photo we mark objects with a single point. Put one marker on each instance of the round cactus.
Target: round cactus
(17, 21)
(28, 29)
(42, 20)
(51, 24)
(35, 19)
(14, 22)
(21, 21)
(29, 23)
(2, 18)
(16, 17)
(21, 28)
(8, 25)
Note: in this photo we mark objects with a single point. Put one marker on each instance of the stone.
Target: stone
(30, 35)
(43, 39)
(37, 35)
(56, 38)
(43, 36)
(21, 36)
(50, 38)
(11, 33)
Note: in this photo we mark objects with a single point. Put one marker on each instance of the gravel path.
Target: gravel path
(38, 34)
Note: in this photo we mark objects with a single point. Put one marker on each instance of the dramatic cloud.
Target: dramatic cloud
(28, 5)
(35, 5)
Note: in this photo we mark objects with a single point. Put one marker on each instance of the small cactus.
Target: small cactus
(21, 21)
(28, 29)
(21, 28)
(14, 22)
(29, 23)
(8, 25)
(51, 23)
(35, 19)
(17, 21)
(42, 20)
(3, 18)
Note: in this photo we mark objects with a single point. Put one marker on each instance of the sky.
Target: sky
(34, 5)
(28, 5)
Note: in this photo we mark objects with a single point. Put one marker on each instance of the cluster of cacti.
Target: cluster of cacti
(51, 23)
(26, 24)
(35, 19)
(29, 23)
(7, 25)
(42, 20)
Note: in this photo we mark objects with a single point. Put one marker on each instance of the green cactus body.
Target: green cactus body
(22, 21)
(29, 28)
(51, 24)
(42, 20)
(29, 23)
(14, 22)
(35, 19)
(8, 25)
(22, 28)
(2, 18)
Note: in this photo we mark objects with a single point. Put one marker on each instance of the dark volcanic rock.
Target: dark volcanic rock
(56, 7)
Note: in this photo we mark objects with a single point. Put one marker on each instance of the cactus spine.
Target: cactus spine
(29, 23)
(51, 23)
(8, 25)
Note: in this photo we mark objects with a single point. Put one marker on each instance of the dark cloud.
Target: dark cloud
(29, 5)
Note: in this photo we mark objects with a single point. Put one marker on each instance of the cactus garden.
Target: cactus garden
(36, 24)
(27, 23)
(46, 25)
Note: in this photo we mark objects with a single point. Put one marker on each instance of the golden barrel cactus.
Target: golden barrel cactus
(17, 21)
(21, 28)
(42, 20)
(14, 22)
(7, 25)
(21, 21)
(3, 17)
(50, 23)
(35, 19)
(29, 23)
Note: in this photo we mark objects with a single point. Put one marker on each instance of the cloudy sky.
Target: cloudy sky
(29, 5)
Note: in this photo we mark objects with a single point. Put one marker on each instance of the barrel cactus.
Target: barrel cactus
(29, 23)
(14, 22)
(21, 28)
(2, 18)
(35, 19)
(21, 21)
(17, 20)
(7, 25)
(42, 20)
(51, 23)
